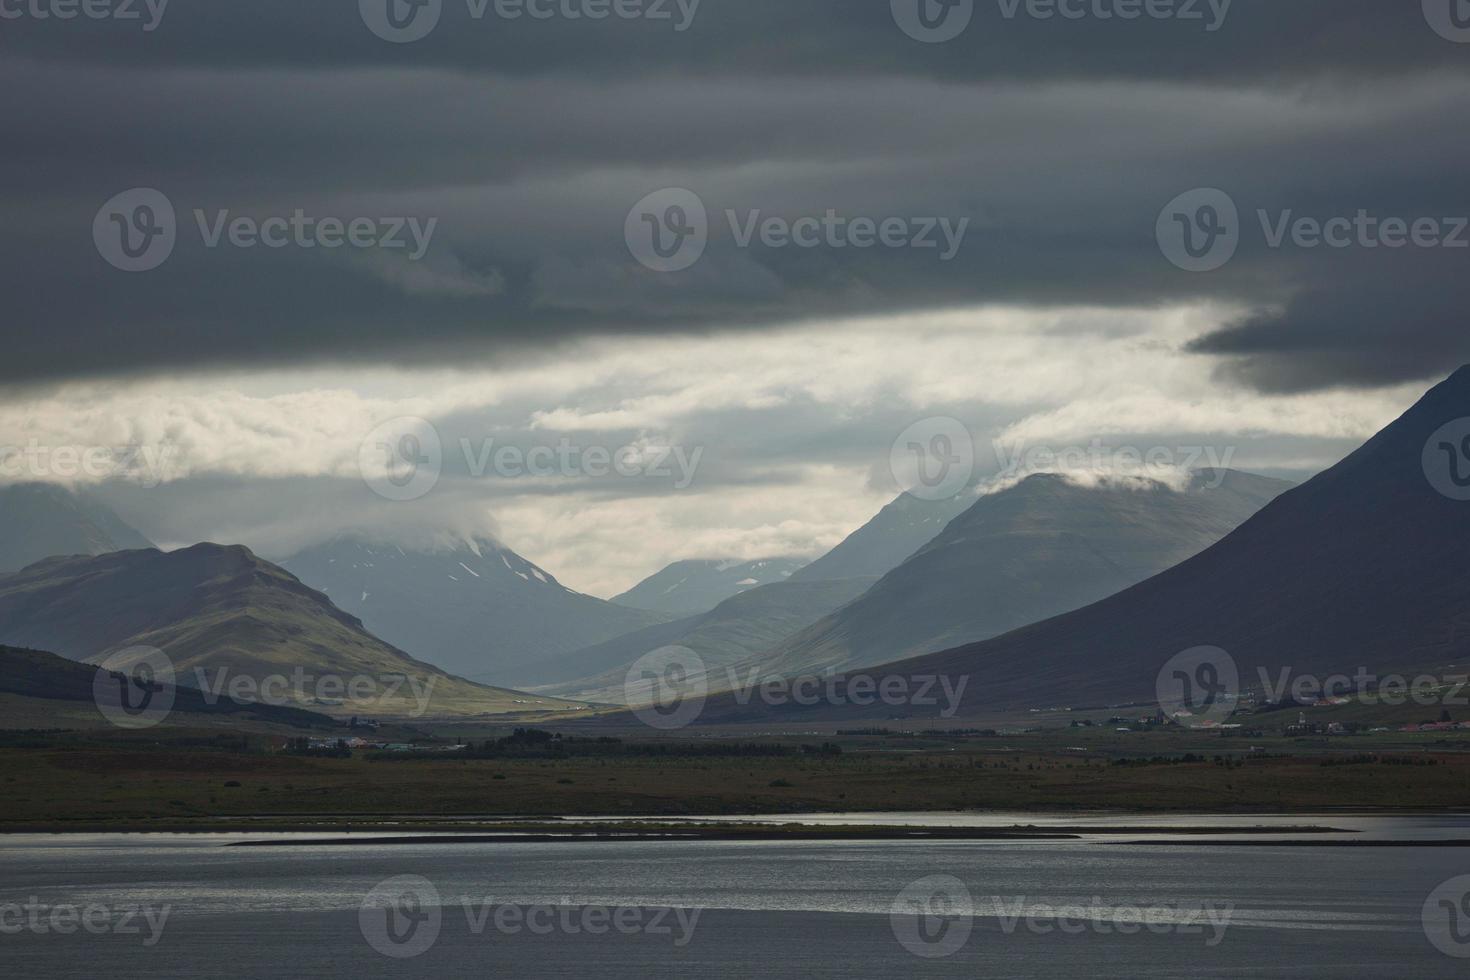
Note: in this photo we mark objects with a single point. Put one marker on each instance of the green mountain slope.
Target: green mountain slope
(221, 613)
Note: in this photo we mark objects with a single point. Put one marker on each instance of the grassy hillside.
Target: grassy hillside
(42, 690)
(221, 613)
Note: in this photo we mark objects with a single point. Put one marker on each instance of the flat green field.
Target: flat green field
(213, 780)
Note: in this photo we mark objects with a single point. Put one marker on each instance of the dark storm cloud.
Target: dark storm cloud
(1367, 320)
(1254, 39)
(1057, 141)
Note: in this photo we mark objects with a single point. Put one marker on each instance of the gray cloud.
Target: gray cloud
(1257, 39)
(1365, 320)
(528, 141)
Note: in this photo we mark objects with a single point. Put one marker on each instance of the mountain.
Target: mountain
(687, 588)
(474, 608)
(881, 545)
(52, 691)
(40, 520)
(1041, 547)
(1361, 567)
(749, 624)
(738, 628)
(220, 613)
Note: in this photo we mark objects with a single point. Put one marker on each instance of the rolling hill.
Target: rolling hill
(59, 692)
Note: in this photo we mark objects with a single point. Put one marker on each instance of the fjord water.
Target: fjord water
(769, 909)
(1111, 825)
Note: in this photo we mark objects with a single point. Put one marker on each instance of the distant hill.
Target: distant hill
(1047, 545)
(687, 588)
(474, 608)
(1361, 567)
(746, 625)
(213, 607)
(736, 629)
(881, 545)
(44, 679)
(40, 520)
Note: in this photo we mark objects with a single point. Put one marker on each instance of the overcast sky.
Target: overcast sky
(1036, 177)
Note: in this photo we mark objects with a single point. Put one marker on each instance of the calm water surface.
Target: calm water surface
(783, 909)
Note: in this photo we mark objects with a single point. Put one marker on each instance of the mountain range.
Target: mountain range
(1360, 568)
(1054, 591)
(1023, 553)
(750, 624)
(1043, 546)
(472, 607)
(221, 613)
(738, 628)
(687, 588)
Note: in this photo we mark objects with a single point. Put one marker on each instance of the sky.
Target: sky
(693, 279)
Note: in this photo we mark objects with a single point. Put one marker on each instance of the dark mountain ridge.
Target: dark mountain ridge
(1361, 567)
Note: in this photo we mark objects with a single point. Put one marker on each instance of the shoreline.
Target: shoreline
(783, 825)
(644, 830)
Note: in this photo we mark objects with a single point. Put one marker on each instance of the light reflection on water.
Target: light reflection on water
(1279, 887)
(770, 908)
